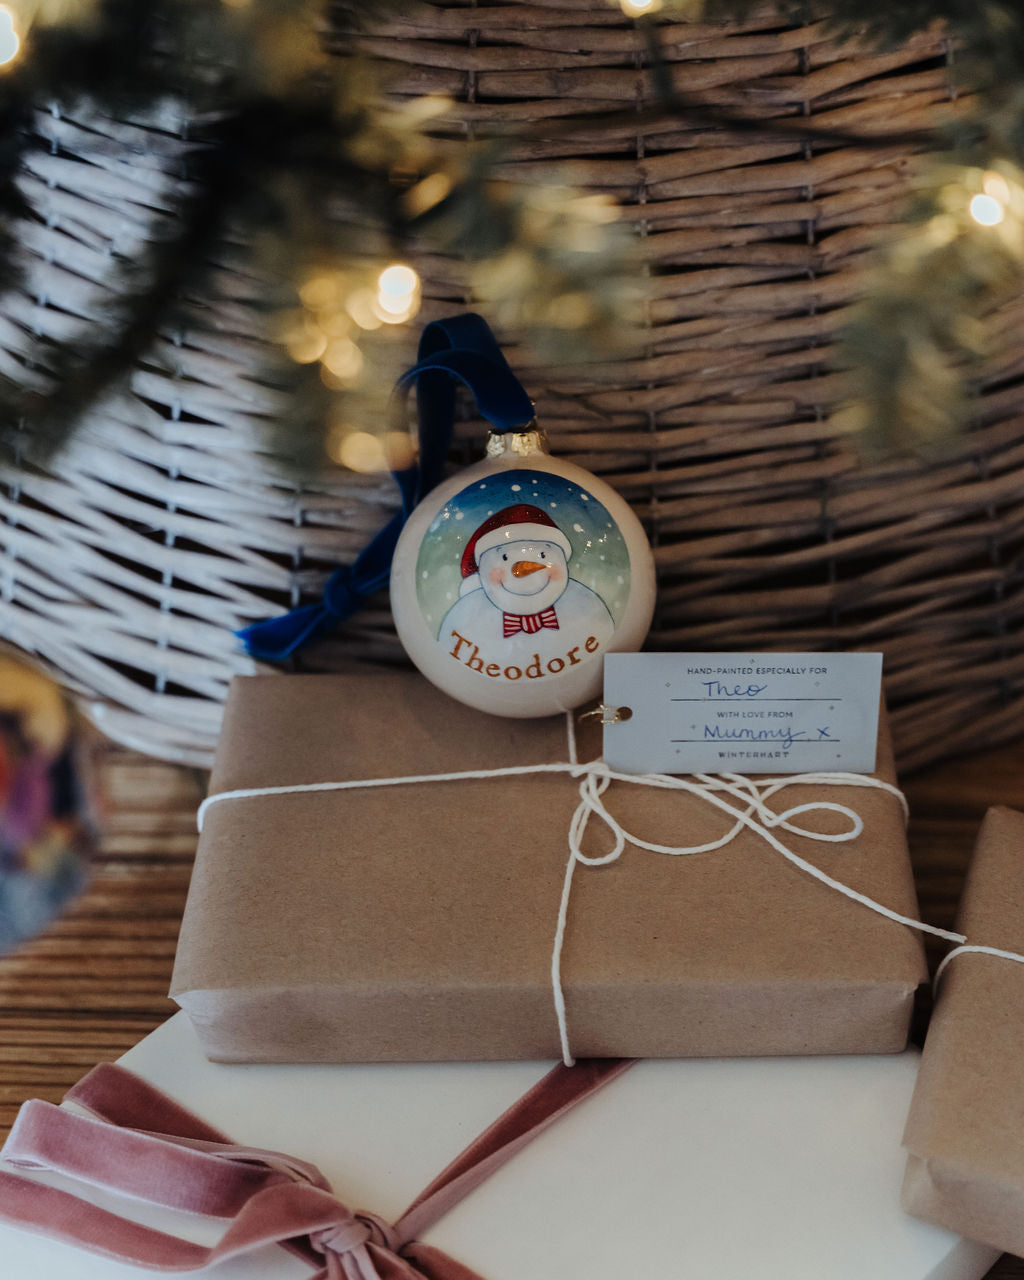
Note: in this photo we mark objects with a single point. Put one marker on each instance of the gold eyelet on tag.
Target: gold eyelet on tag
(608, 715)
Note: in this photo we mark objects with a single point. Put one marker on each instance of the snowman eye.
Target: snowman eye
(543, 555)
(504, 555)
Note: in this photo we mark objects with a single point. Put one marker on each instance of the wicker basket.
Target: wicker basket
(127, 562)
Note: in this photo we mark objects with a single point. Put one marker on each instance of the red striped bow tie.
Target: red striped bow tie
(529, 622)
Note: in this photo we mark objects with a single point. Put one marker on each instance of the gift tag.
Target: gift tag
(742, 712)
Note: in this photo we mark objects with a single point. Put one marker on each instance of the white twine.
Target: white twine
(977, 950)
(751, 810)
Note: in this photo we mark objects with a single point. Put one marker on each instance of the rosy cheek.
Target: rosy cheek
(555, 574)
(496, 576)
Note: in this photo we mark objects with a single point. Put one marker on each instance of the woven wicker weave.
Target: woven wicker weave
(164, 526)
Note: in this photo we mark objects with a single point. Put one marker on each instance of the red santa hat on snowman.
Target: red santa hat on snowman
(520, 523)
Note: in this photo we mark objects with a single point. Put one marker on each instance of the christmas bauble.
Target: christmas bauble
(513, 579)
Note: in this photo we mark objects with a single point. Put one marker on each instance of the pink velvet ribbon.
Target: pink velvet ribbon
(138, 1141)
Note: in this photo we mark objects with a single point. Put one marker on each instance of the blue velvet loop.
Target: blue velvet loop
(339, 598)
(458, 351)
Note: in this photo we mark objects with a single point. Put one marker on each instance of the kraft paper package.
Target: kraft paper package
(416, 923)
(966, 1164)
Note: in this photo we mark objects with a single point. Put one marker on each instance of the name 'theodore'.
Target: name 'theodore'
(465, 651)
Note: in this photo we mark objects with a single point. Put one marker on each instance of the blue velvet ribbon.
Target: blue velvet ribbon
(459, 350)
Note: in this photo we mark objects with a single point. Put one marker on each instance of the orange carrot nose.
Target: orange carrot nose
(522, 568)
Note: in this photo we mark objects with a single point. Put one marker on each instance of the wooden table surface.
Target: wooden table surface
(95, 983)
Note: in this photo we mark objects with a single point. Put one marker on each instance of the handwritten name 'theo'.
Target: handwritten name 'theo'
(715, 689)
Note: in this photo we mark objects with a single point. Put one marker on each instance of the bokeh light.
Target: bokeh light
(344, 359)
(398, 294)
(360, 451)
(9, 41)
(996, 186)
(305, 341)
(987, 210)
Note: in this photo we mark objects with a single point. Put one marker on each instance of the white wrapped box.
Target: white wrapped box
(788, 1169)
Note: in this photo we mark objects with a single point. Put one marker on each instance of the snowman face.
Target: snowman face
(523, 577)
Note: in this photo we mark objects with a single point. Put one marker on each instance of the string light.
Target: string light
(360, 451)
(638, 8)
(336, 324)
(9, 42)
(305, 340)
(322, 292)
(941, 230)
(344, 359)
(987, 210)
(360, 306)
(398, 294)
(399, 452)
(996, 186)
(326, 329)
(428, 193)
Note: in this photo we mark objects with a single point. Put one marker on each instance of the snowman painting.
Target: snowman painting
(520, 613)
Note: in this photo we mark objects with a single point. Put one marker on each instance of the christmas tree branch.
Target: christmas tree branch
(290, 133)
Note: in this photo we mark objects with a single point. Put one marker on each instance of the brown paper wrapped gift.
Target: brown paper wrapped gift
(416, 922)
(965, 1132)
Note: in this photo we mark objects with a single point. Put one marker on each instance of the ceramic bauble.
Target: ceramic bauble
(513, 579)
